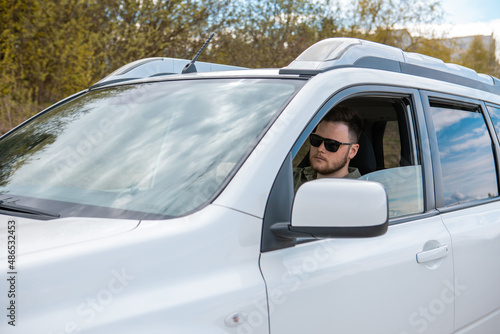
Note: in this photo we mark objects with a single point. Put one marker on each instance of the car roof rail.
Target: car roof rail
(339, 52)
(156, 66)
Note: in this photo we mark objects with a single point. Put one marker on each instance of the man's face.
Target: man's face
(332, 164)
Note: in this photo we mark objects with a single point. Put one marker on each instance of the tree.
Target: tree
(168, 28)
(481, 57)
(14, 92)
(434, 47)
(52, 49)
(273, 33)
(377, 20)
(270, 33)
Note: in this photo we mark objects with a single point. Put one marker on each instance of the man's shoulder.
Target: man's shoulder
(353, 173)
(301, 175)
(307, 172)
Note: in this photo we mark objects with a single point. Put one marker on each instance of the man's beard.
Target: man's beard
(327, 170)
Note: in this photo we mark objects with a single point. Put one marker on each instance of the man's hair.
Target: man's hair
(345, 115)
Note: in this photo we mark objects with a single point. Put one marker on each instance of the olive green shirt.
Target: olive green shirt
(302, 175)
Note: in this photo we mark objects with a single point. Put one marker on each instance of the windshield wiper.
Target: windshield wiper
(13, 208)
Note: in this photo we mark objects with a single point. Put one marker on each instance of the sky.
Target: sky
(471, 17)
(467, 18)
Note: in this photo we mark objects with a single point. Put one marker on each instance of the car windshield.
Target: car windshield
(147, 151)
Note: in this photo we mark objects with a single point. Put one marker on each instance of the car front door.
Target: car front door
(401, 282)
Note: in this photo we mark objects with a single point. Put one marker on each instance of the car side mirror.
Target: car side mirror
(337, 208)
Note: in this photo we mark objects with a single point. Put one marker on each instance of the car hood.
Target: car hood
(37, 235)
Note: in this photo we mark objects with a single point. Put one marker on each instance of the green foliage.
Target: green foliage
(481, 57)
(433, 47)
(50, 49)
(271, 33)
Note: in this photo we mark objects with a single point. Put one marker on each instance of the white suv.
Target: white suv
(155, 203)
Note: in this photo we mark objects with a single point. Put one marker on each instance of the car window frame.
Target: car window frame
(487, 106)
(451, 100)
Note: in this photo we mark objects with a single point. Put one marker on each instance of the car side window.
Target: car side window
(468, 169)
(387, 151)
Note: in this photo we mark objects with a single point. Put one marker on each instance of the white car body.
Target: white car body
(434, 270)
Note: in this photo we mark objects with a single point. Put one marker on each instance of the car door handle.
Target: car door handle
(432, 254)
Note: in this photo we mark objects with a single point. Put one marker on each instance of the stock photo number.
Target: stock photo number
(11, 272)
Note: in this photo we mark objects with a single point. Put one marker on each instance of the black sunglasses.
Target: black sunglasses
(331, 145)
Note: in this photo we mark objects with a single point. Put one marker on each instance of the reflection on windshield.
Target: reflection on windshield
(162, 148)
(465, 150)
